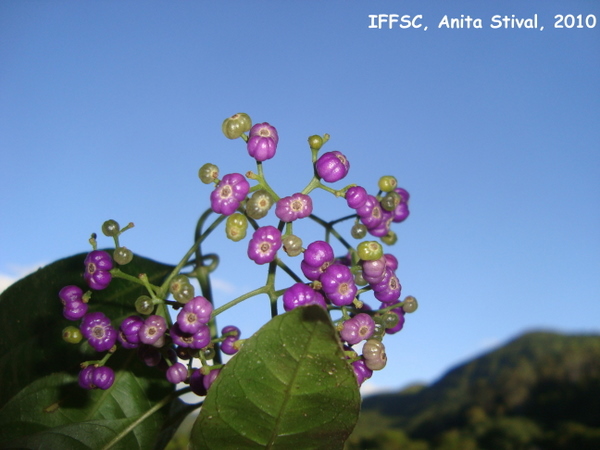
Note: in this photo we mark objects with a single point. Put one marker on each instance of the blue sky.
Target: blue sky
(108, 109)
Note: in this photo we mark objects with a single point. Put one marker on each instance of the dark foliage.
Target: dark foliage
(539, 391)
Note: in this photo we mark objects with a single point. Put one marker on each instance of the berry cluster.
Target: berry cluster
(175, 329)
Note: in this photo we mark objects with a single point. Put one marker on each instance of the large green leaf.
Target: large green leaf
(40, 400)
(288, 387)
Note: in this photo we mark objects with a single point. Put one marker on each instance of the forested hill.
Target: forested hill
(539, 391)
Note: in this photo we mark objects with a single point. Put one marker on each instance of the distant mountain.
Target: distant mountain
(539, 391)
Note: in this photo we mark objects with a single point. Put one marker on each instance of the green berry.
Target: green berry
(374, 354)
(72, 335)
(208, 173)
(390, 239)
(388, 183)
(144, 305)
(259, 204)
(181, 289)
(122, 255)
(236, 125)
(358, 231)
(292, 245)
(390, 201)
(390, 319)
(110, 228)
(359, 280)
(315, 142)
(370, 250)
(236, 226)
(410, 304)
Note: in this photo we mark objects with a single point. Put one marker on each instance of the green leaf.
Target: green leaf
(289, 386)
(40, 400)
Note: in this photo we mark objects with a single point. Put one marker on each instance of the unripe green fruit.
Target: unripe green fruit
(374, 354)
(72, 335)
(390, 319)
(122, 255)
(358, 231)
(110, 228)
(292, 245)
(410, 304)
(234, 126)
(390, 239)
(144, 305)
(387, 183)
(259, 204)
(315, 142)
(208, 173)
(369, 250)
(236, 226)
(390, 201)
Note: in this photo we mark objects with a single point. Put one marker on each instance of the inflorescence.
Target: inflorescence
(338, 284)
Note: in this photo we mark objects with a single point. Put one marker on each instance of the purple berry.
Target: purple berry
(318, 253)
(332, 166)
(361, 371)
(97, 329)
(152, 330)
(264, 244)
(401, 211)
(374, 271)
(370, 212)
(389, 288)
(338, 284)
(359, 328)
(356, 196)
(150, 355)
(70, 294)
(384, 226)
(103, 377)
(85, 377)
(92, 377)
(302, 295)
(297, 206)
(316, 258)
(391, 261)
(98, 264)
(75, 310)
(197, 383)
(209, 379)
(177, 373)
(129, 332)
(231, 190)
(196, 340)
(262, 141)
(228, 345)
(194, 313)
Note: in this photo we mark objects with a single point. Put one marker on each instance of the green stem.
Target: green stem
(241, 298)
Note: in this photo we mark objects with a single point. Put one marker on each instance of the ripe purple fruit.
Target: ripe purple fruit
(97, 329)
(177, 373)
(98, 264)
(338, 284)
(301, 295)
(231, 190)
(332, 166)
(262, 141)
(297, 206)
(358, 328)
(194, 313)
(264, 244)
(152, 330)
